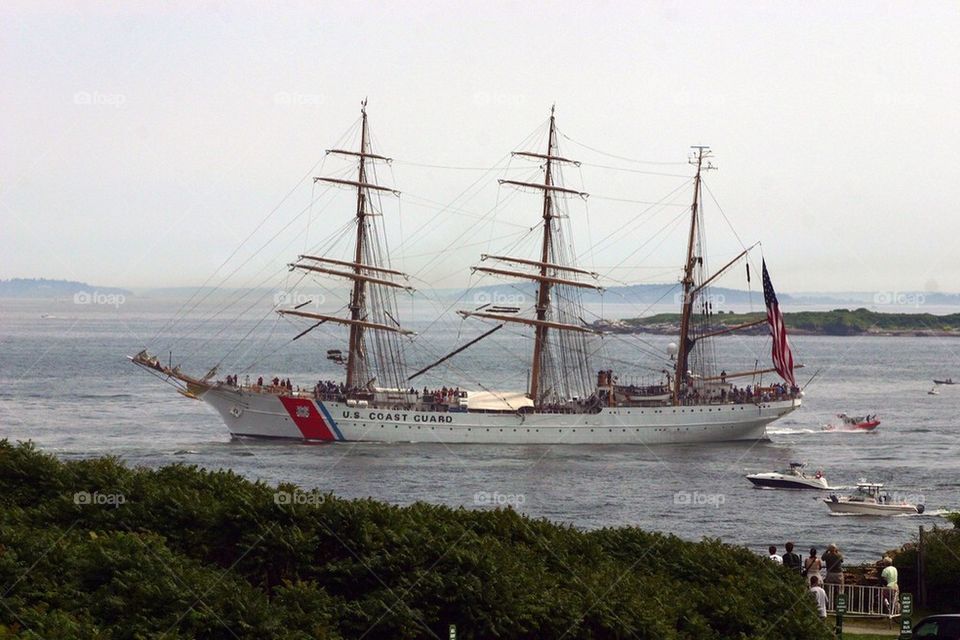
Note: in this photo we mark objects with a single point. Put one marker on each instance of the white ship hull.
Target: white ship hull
(301, 417)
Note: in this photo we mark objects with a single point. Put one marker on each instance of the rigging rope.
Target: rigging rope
(611, 155)
(181, 311)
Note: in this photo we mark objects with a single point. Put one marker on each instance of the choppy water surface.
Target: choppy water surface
(65, 384)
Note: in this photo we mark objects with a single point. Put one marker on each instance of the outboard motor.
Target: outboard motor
(920, 508)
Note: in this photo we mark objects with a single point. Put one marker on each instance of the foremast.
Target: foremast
(548, 273)
(372, 305)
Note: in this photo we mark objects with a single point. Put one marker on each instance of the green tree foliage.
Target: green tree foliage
(941, 565)
(180, 552)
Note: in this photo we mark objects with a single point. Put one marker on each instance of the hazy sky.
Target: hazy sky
(141, 142)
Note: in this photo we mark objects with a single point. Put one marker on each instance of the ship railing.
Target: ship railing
(864, 600)
(267, 388)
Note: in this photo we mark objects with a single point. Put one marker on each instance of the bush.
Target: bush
(942, 564)
(188, 553)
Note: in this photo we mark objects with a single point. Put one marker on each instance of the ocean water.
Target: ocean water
(66, 384)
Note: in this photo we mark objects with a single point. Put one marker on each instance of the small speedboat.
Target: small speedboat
(947, 381)
(870, 499)
(933, 392)
(859, 423)
(795, 478)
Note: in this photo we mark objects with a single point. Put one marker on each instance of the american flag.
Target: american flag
(782, 356)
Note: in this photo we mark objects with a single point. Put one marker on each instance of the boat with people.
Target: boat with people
(871, 499)
(933, 391)
(856, 423)
(793, 478)
(567, 400)
(947, 381)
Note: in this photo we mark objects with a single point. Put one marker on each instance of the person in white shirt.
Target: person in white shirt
(774, 556)
(819, 595)
(889, 577)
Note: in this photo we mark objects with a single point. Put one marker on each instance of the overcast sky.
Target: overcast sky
(139, 145)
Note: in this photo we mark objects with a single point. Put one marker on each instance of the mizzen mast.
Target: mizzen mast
(689, 290)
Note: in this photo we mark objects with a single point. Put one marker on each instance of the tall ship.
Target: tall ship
(569, 399)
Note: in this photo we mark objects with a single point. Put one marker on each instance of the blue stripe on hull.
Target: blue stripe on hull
(330, 420)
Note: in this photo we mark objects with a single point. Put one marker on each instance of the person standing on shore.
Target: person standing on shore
(820, 596)
(812, 566)
(889, 577)
(792, 560)
(833, 560)
(773, 555)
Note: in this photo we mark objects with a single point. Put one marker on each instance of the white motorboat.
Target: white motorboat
(871, 499)
(795, 478)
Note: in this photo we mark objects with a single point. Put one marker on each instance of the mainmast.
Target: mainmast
(689, 291)
(364, 270)
(543, 285)
(357, 296)
(547, 272)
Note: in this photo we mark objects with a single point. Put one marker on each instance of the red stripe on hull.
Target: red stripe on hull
(308, 419)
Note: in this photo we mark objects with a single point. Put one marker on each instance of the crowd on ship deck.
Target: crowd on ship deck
(444, 395)
(329, 389)
(277, 384)
(738, 395)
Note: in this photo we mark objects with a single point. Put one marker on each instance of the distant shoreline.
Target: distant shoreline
(839, 322)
